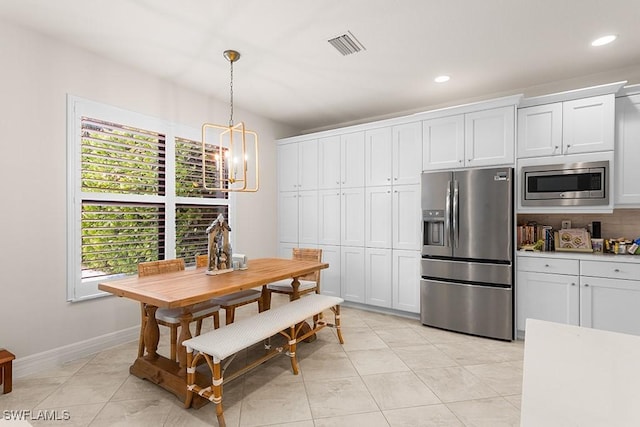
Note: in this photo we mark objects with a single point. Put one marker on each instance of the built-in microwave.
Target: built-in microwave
(574, 184)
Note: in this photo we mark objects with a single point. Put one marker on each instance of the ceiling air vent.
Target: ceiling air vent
(346, 44)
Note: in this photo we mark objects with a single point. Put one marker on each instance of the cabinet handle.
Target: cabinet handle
(395, 179)
(617, 270)
(388, 191)
(546, 265)
(586, 285)
(573, 284)
(388, 179)
(337, 182)
(469, 160)
(460, 161)
(567, 150)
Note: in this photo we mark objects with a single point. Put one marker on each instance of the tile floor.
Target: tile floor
(391, 371)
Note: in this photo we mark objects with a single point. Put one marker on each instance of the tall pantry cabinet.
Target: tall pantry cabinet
(368, 210)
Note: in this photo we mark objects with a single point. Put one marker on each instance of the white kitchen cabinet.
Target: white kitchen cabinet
(341, 161)
(406, 281)
(584, 125)
(603, 293)
(352, 205)
(329, 217)
(544, 296)
(588, 124)
(610, 296)
(393, 155)
(288, 217)
(298, 166)
(379, 222)
(540, 130)
(475, 139)
(627, 151)
(547, 289)
(406, 217)
(378, 278)
(330, 277)
(489, 137)
(308, 218)
(610, 304)
(443, 143)
(352, 273)
(298, 217)
(406, 153)
(329, 175)
(393, 217)
(378, 165)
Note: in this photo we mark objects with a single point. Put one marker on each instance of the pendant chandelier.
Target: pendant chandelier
(235, 158)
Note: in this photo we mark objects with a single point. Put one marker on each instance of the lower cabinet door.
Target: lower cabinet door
(352, 273)
(610, 304)
(330, 277)
(378, 277)
(544, 296)
(406, 281)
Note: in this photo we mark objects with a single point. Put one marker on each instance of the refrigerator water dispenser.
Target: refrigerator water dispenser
(433, 227)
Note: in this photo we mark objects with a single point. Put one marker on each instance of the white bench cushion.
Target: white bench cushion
(230, 339)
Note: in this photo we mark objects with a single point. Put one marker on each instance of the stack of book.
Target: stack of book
(530, 234)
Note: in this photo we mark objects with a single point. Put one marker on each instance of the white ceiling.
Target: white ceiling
(290, 73)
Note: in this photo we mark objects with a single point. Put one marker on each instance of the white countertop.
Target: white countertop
(581, 256)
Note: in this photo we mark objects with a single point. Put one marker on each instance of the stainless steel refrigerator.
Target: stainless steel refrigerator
(467, 252)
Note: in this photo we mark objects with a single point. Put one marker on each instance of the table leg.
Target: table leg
(151, 331)
(185, 334)
(296, 293)
(266, 298)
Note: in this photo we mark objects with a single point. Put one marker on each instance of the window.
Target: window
(135, 194)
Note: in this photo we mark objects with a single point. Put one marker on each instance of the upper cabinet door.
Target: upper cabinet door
(308, 165)
(489, 137)
(540, 130)
(378, 166)
(329, 162)
(588, 124)
(443, 143)
(627, 151)
(352, 160)
(288, 167)
(407, 153)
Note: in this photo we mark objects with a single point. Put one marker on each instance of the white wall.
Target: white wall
(37, 73)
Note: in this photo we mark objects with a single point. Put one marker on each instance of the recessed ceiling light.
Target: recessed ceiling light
(442, 79)
(601, 41)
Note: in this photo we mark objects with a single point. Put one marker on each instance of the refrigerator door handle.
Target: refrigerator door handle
(456, 231)
(447, 216)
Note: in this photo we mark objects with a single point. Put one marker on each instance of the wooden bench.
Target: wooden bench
(219, 344)
(6, 361)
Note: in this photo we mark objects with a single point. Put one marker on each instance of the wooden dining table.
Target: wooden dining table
(182, 289)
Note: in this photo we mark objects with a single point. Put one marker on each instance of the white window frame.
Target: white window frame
(77, 289)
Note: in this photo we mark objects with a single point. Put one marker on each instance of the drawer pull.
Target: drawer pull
(617, 270)
(573, 284)
(586, 285)
(546, 265)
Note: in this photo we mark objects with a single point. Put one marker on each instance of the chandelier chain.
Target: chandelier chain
(231, 95)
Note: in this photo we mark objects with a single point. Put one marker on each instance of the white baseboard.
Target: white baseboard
(51, 359)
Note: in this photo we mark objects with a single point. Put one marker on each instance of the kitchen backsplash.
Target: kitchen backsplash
(620, 223)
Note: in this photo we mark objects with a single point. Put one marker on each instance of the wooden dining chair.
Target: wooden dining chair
(232, 301)
(170, 317)
(308, 283)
